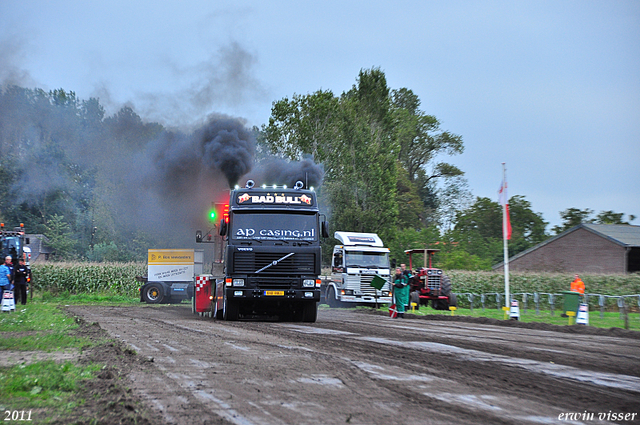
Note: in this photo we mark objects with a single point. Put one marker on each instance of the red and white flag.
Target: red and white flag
(504, 201)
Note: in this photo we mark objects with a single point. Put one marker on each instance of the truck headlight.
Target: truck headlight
(308, 283)
(238, 282)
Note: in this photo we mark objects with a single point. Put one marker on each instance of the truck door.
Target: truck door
(337, 265)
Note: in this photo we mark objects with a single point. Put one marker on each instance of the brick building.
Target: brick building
(586, 248)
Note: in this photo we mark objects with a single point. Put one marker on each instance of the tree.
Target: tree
(478, 229)
(420, 140)
(375, 145)
(610, 217)
(60, 238)
(352, 137)
(572, 217)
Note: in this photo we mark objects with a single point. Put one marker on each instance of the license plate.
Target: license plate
(281, 293)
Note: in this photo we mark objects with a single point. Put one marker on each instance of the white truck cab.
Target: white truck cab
(354, 265)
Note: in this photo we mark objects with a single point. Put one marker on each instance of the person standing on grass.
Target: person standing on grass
(401, 291)
(5, 276)
(20, 280)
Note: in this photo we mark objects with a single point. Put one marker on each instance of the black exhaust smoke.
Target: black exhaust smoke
(227, 145)
(282, 172)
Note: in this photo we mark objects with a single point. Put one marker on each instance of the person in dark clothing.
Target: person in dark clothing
(21, 277)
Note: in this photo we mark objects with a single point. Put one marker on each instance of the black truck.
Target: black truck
(272, 254)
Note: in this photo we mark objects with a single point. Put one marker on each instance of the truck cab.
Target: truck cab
(354, 265)
(272, 254)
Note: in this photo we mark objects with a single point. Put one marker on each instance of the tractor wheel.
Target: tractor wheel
(231, 310)
(446, 285)
(414, 297)
(153, 294)
(453, 300)
(440, 304)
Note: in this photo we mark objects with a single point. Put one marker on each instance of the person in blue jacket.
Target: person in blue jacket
(5, 276)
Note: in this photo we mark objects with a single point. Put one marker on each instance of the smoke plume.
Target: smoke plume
(282, 172)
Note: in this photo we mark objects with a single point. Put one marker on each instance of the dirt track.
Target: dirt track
(359, 368)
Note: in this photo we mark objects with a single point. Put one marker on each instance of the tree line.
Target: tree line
(379, 151)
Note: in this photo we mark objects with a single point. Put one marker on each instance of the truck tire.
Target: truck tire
(153, 293)
(231, 310)
(332, 300)
(310, 311)
(217, 313)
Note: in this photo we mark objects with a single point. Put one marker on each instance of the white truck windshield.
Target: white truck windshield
(370, 260)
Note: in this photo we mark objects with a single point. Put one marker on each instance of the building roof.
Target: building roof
(623, 234)
(626, 235)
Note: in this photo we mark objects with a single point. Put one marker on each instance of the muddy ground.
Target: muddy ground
(358, 368)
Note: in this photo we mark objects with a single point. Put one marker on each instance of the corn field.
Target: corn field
(479, 282)
(88, 278)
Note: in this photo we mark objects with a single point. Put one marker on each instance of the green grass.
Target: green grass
(36, 316)
(87, 299)
(610, 319)
(44, 384)
(47, 388)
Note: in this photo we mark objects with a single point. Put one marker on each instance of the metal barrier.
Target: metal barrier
(621, 300)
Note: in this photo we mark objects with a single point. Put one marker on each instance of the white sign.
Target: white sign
(170, 273)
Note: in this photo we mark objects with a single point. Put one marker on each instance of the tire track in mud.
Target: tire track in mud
(361, 368)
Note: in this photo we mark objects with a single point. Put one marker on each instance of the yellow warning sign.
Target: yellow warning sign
(171, 256)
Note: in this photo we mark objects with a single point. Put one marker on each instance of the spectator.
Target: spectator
(5, 276)
(21, 281)
(577, 285)
(401, 291)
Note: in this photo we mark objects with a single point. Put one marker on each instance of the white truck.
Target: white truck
(354, 265)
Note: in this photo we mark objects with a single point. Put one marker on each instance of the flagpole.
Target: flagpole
(507, 297)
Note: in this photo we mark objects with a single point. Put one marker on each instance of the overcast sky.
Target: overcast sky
(552, 88)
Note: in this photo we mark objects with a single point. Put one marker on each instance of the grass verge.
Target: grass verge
(609, 320)
(53, 368)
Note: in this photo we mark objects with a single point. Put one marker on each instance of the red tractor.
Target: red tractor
(430, 284)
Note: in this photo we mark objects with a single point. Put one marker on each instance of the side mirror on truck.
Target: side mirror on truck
(223, 227)
(198, 236)
(325, 229)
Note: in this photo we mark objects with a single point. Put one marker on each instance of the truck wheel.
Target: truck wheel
(310, 311)
(217, 313)
(231, 310)
(152, 294)
(332, 299)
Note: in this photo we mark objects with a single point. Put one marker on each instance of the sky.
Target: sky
(550, 88)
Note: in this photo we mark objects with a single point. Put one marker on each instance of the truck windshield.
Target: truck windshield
(366, 259)
(270, 226)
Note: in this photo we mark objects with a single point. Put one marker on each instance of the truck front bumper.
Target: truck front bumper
(310, 294)
(364, 299)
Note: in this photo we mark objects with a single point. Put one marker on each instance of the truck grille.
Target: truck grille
(362, 283)
(250, 262)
